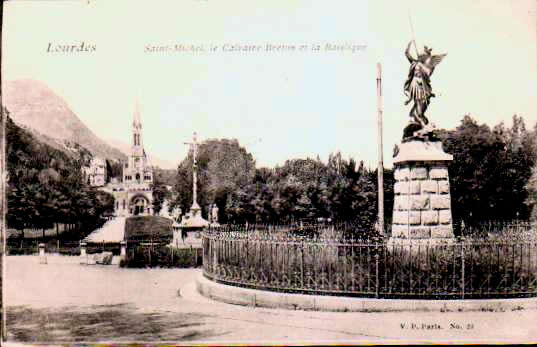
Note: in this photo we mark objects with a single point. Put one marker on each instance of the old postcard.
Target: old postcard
(269, 172)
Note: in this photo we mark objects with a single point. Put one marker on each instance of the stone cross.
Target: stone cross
(194, 145)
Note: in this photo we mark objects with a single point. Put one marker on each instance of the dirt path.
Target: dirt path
(111, 231)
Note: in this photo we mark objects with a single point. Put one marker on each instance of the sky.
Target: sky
(278, 104)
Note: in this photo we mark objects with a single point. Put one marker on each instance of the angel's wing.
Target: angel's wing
(435, 60)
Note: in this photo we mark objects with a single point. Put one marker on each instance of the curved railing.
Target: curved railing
(456, 270)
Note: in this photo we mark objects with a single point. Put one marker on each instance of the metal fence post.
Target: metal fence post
(302, 265)
(462, 270)
(377, 275)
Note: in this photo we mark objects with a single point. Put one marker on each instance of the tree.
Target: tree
(308, 189)
(160, 193)
(223, 168)
(114, 169)
(46, 185)
(490, 170)
(531, 201)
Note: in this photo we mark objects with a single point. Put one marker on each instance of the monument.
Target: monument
(193, 219)
(422, 201)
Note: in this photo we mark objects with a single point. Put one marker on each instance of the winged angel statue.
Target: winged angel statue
(418, 89)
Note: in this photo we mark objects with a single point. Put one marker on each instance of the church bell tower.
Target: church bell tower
(137, 170)
(137, 145)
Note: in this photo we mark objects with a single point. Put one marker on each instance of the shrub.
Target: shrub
(22, 251)
(148, 228)
(162, 256)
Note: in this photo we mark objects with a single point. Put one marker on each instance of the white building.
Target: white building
(95, 174)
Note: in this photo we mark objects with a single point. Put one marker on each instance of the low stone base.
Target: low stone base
(261, 298)
(416, 244)
(420, 232)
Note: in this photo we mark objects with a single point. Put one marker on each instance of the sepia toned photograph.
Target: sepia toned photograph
(202, 172)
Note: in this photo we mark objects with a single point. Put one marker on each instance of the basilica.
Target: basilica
(134, 195)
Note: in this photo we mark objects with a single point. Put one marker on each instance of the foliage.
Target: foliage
(300, 190)
(114, 169)
(46, 187)
(308, 189)
(162, 256)
(490, 170)
(148, 228)
(223, 168)
(531, 186)
(501, 231)
(164, 176)
(531, 201)
(161, 179)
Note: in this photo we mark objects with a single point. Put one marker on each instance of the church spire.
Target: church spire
(137, 144)
(136, 123)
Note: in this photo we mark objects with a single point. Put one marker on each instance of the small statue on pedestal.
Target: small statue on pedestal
(418, 90)
(214, 214)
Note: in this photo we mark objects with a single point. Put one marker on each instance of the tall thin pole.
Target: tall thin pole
(380, 171)
(194, 172)
(3, 197)
(194, 145)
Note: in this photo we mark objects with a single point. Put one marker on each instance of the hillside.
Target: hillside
(33, 105)
(46, 185)
(26, 154)
(72, 149)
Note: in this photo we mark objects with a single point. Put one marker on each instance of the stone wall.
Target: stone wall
(422, 202)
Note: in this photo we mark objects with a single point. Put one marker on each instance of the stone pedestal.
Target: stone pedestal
(422, 201)
(83, 254)
(123, 250)
(42, 256)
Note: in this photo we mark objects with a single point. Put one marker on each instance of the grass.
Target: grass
(120, 322)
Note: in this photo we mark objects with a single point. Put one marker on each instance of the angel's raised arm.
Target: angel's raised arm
(407, 53)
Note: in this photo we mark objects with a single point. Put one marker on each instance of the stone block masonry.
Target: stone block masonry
(422, 202)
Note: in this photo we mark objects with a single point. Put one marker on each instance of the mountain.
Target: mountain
(36, 107)
(153, 160)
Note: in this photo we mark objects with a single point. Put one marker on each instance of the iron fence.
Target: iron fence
(297, 231)
(294, 264)
(513, 229)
